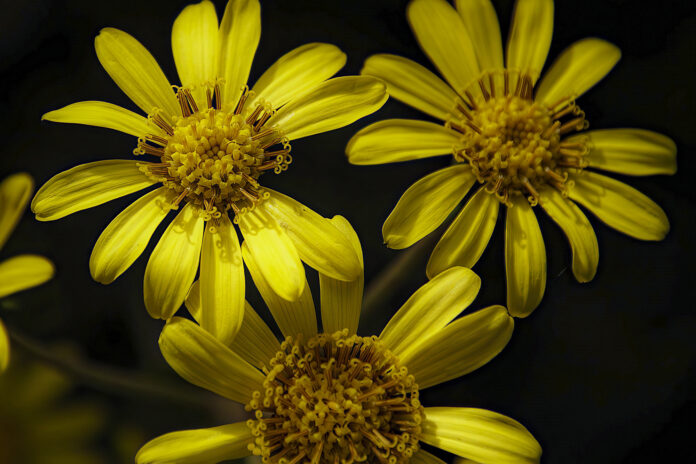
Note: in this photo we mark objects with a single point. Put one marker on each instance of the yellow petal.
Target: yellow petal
(395, 140)
(430, 309)
(239, 34)
(461, 347)
(319, 243)
(530, 36)
(525, 259)
(87, 185)
(428, 202)
(341, 302)
(4, 348)
(173, 264)
(483, 436)
(201, 359)
(254, 342)
(412, 84)
(464, 241)
(620, 206)
(125, 238)
(199, 445)
(297, 72)
(293, 317)
(332, 104)
(577, 69)
(135, 71)
(635, 152)
(481, 23)
(15, 191)
(102, 114)
(273, 252)
(583, 241)
(222, 281)
(423, 457)
(442, 36)
(195, 47)
(22, 272)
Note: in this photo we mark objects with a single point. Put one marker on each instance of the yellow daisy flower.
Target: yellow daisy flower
(214, 138)
(514, 138)
(19, 272)
(334, 396)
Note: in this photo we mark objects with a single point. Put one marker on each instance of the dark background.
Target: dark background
(601, 372)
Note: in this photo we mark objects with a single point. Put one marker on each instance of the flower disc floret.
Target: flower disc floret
(336, 398)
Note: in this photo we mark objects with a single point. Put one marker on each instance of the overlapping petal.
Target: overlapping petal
(395, 140)
(481, 23)
(15, 191)
(22, 272)
(173, 264)
(87, 185)
(428, 202)
(194, 45)
(102, 114)
(530, 36)
(4, 348)
(198, 446)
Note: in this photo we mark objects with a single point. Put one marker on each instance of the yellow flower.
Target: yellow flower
(214, 139)
(334, 396)
(514, 139)
(19, 272)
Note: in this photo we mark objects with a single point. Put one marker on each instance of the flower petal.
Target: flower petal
(239, 34)
(318, 242)
(465, 239)
(430, 309)
(635, 152)
(395, 140)
(525, 259)
(102, 114)
(577, 69)
(222, 281)
(201, 359)
(125, 238)
(442, 36)
(481, 23)
(583, 241)
(332, 104)
(461, 347)
(413, 84)
(483, 436)
(194, 44)
(426, 203)
(273, 252)
(293, 317)
(298, 72)
(135, 71)
(15, 191)
(173, 264)
(254, 342)
(199, 445)
(620, 206)
(341, 302)
(530, 36)
(88, 185)
(22, 272)
(4, 348)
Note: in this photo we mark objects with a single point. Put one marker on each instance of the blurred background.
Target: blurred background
(601, 372)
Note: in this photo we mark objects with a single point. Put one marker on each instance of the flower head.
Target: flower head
(523, 143)
(335, 396)
(213, 138)
(19, 272)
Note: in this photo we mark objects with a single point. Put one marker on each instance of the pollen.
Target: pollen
(214, 156)
(336, 398)
(512, 143)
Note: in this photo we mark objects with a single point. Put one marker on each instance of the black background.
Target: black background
(601, 372)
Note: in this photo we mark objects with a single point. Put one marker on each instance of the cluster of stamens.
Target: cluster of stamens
(513, 143)
(214, 156)
(336, 398)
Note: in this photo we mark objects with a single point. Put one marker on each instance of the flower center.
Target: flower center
(513, 143)
(214, 157)
(336, 398)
